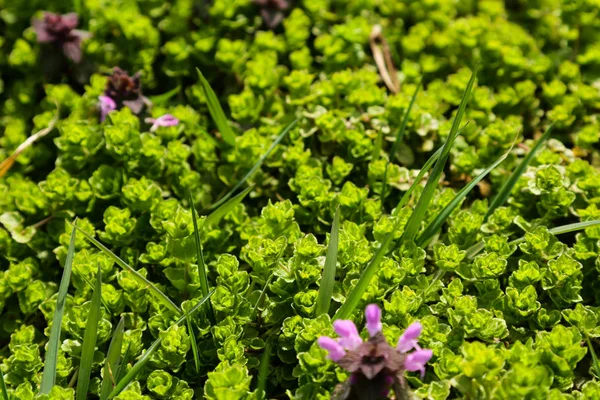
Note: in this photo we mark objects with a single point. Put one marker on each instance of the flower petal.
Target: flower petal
(408, 340)
(336, 351)
(106, 105)
(373, 317)
(416, 361)
(164, 120)
(350, 339)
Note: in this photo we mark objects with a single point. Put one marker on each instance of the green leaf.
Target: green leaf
(353, 299)
(136, 275)
(578, 226)
(416, 218)
(161, 99)
(417, 180)
(510, 183)
(345, 311)
(559, 230)
(214, 217)
(3, 390)
(49, 374)
(263, 372)
(122, 370)
(595, 362)
(328, 278)
(256, 166)
(439, 220)
(399, 137)
(141, 362)
(216, 112)
(200, 257)
(89, 340)
(113, 359)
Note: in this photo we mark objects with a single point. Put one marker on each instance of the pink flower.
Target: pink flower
(373, 317)
(106, 105)
(350, 339)
(408, 340)
(374, 365)
(164, 120)
(416, 361)
(336, 351)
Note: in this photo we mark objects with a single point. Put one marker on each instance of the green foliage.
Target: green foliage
(499, 264)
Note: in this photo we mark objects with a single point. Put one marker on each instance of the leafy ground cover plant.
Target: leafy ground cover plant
(193, 193)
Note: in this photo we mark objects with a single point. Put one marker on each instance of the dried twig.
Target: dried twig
(383, 59)
(8, 163)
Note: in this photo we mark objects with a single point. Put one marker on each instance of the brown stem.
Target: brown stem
(383, 59)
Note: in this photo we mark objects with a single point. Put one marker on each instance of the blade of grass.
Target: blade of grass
(89, 340)
(439, 220)
(415, 219)
(328, 279)
(160, 99)
(509, 184)
(3, 390)
(49, 374)
(593, 353)
(399, 137)
(411, 189)
(122, 366)
(136, 275)
(139, 365)
(345, 311)
(216, 112)
(263, 371)
(559, 230)
(214, 217)
(200, 258)
(194, 344)
(113, 359)
(91, 285)
(256, 166)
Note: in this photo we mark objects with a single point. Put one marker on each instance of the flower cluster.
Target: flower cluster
(60, 31)
(374, 364)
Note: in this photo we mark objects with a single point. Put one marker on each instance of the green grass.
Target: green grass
(49, 374)
(112, 361)
(509, 184)
(3, 390)
(144, 358)
(216, 112)
(399, 137)
(328, 278)
(258, 164)
(90, 336)
(416, 218)
(443, 215)
(163, 298)
(353, 298)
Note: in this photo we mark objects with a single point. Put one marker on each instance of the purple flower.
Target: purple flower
(126, 90)
(408, 340)
(60, 31)
(350, 339)
(336, 351)
(271, 11)
(416, 361)
(106, 105)
(163, 120)
(373, 317)
(375, 367)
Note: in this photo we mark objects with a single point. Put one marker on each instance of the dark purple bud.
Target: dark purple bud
(60, 31)
(126, 90)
